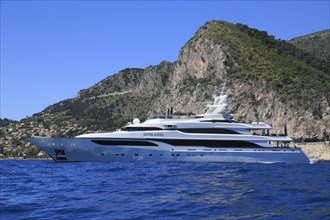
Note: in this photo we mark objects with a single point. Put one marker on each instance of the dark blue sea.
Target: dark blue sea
(50, 190)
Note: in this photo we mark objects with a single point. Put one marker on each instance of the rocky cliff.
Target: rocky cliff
(268, 80)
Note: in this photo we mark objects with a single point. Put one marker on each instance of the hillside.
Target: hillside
(268, 80)
(317, 44)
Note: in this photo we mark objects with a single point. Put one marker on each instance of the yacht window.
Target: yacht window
(141, 129)
(208, 130)
(216, 120)
(170, 127)
(209, 143)
(124, 142)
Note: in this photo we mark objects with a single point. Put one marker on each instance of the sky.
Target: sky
(50, 50)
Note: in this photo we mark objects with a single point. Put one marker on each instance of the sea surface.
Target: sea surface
(43, 189)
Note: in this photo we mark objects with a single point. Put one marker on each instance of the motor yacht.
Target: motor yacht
(210, 137)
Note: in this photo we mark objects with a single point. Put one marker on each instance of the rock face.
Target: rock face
(266, 81)
(318, 151)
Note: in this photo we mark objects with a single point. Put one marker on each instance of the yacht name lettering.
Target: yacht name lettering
(154, 134)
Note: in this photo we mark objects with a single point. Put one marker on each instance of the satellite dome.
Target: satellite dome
(136, 121)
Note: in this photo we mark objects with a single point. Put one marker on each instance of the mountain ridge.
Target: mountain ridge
(317, 43)
(268, 80)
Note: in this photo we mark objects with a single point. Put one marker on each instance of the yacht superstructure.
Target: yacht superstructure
(210, 137)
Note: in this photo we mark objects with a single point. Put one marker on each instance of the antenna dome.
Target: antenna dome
(136, 121)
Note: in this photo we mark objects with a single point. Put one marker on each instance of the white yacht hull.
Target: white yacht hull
(83, 149)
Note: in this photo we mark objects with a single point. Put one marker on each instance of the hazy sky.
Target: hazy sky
(52, 49)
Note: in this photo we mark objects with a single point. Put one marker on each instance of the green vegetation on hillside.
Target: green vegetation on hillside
(98, 114)
(317, 44)
(293, 74)
(4, 122)
(122, 81)
(111, 113)
(284, 48)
